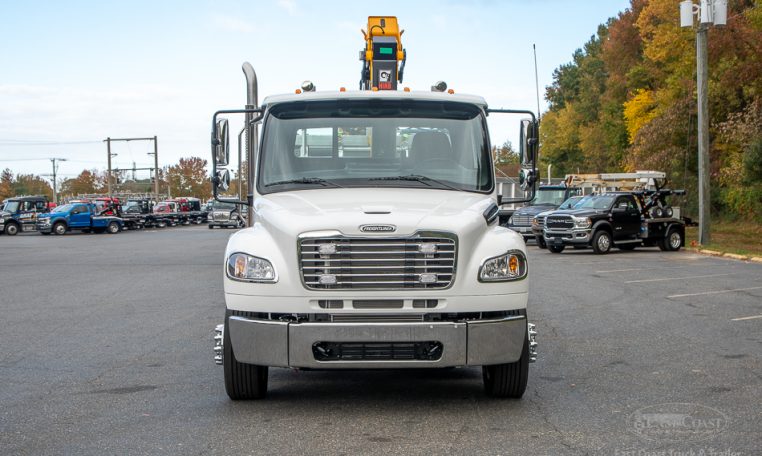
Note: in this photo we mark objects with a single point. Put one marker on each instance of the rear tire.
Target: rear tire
(112, 228)
(556, 248)
(211, 227)
(541, 242)
(12, 229)
(508, 380)
(672, 242)
(242, 381)
(601, 242)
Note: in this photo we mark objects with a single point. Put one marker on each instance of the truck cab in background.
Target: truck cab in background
(19, 214)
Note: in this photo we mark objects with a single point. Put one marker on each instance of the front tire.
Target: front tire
(59, 228)
(508, 380)
(541, 242)
(12, 229)
(602, 242)
(556, 248)
(242, 381)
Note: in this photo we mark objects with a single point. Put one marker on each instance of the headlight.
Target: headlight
(247, 268)
(535, 222)
(511, 265)
(581, 222)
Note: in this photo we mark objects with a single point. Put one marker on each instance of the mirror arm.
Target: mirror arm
(532, 141)
(215, 143)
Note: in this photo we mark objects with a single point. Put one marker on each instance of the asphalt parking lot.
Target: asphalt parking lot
(107, 349)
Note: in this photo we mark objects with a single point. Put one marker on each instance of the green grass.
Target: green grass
(743, 238)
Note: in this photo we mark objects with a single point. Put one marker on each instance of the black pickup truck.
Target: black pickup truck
(617, 219)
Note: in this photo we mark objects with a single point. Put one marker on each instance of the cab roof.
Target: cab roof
(370, 95)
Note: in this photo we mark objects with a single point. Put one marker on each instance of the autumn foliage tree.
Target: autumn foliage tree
(627, 101)
(189, 178)
(87, 182)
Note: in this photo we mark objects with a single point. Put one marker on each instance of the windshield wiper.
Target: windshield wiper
(305, 180)
(417, 178)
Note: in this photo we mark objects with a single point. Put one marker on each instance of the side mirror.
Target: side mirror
(528, 141)
(221, 180)
(221, 142)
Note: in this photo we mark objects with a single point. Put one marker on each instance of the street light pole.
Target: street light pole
(709, 12)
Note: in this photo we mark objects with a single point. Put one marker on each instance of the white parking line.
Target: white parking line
(753, 317)
(664, 279)
(713, 292)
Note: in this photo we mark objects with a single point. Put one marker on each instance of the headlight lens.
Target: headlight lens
(511, 265)
(582, 222)
(247, 268)
(535, 222)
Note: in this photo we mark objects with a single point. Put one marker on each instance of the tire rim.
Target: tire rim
(12, 230)
(113, 228)
(603, 242)
(675, 240)
(60, 229)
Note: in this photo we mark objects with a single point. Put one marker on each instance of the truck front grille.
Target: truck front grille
(559, 222)
(421, 261)
(521, 220)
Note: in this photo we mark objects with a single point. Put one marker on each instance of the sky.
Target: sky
(73, 73)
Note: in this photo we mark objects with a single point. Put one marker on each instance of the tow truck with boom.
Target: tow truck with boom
(374, 257)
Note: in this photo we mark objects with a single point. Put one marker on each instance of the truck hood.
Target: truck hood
(346, 209)
(534, 210)
(579, 212)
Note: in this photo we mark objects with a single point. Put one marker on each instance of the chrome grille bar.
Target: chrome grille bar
(338, 262)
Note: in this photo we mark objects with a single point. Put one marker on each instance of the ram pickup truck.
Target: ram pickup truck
(19, 214)
(77, 216)
(385, 258)
(538, 221)
(614, 219)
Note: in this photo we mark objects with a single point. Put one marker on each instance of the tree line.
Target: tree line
(189, 177)
(627, 101)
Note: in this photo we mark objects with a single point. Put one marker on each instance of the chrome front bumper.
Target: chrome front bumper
(290, 344)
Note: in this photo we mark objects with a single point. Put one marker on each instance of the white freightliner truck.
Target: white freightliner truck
(373, 239)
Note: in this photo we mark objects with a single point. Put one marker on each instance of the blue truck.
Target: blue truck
(78, 216)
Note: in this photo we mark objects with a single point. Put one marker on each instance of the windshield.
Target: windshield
(11, 206)
(571, 202)
(595, 202)
(375, 143)
(223, 206)
(549, 197)
(64, 208)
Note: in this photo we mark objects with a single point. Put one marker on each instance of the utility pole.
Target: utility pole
(108, 175)
(156, 167)
(702, 75)
(55, 161)
(709, 12)
(155, 153)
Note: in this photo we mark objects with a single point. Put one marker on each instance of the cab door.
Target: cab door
(79, 217)
(626, 218)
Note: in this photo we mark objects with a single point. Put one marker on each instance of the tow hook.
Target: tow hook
(219, 333)
(532, 334)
